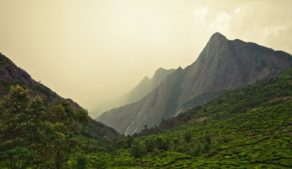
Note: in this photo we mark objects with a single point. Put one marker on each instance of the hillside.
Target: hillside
(39, 128)
(222, 65)
(245, 128)
(11, 75)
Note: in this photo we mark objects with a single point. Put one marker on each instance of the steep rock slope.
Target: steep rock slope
(138, 92)
(222, 65)
(146, 85)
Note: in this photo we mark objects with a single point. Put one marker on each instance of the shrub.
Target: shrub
(138, 150)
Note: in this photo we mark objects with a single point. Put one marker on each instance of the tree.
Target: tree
(33, 136)
(187, 137)
(138, 150)
(63, 126)
(162, 143)
(81, 162)
(150, 144)
(195, 149)
(19, 133)
(206, 148)
(207, 139)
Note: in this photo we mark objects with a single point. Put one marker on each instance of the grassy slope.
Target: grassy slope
(246, 128)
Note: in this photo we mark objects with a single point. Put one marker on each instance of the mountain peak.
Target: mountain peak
(145, 79)
(161, 73)
(216, 41)
(218, 45)
(160, 70)
(218, 36)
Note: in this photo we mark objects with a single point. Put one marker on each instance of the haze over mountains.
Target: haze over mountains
(141, 90)
(145, 84)
(222, 65)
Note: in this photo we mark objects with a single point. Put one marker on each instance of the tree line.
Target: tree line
(37, 135)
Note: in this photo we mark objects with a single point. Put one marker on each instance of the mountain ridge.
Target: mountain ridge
(140, 90)
(222, 65)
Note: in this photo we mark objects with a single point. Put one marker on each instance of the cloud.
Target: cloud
(273, 31)
(201, 14)
(237, 10)
(212, 21)
(221, 23)
(271, 35)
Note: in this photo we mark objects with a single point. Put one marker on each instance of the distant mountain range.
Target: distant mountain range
(222, 65)
(10, 75)
(141, 90)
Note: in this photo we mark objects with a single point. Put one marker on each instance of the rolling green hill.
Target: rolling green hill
(245, 128)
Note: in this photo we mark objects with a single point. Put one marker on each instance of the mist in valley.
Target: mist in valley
(95, 52)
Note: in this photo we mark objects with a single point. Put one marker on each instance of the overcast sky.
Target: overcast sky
(95, 50)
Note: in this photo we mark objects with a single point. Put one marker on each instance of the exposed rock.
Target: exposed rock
(138, 92)
(222, 65)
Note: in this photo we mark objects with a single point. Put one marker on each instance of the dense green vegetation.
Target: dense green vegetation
(245, 128)
(36, 135)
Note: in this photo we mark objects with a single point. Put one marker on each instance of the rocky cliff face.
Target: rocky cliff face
(141, 90)
(145, 86)
(222, 65)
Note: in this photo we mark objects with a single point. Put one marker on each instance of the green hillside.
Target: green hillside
(246, 128)
(37, 134)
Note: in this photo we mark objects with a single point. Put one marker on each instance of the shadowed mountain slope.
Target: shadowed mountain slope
(143, 88)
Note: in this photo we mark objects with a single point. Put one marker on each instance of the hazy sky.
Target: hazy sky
(95, 50)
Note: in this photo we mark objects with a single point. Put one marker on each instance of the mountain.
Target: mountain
(11, 75)
(146, 85)
(248, 127)
(138, 92)
(222, 65)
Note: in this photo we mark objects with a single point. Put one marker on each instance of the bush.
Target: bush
(138, 150)
(162, 143)
(195, 150)
(187, 137)
(81, 162)
(159, 143)
(150, 144)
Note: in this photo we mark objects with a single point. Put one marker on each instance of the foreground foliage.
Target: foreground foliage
(34, 135)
